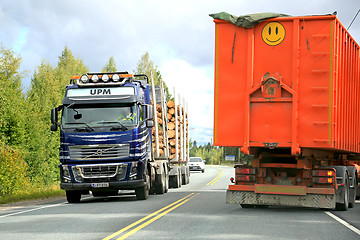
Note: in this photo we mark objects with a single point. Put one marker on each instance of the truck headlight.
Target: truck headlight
(134, 170)
(77, 174)
(66, 173)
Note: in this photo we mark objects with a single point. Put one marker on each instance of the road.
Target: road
(194, 211)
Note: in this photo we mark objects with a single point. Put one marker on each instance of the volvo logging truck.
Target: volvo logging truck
(287, 93)
(114, 136)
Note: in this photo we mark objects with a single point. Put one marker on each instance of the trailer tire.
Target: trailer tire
(142, 193)
(352, 186)
(73, 196)
(177, 179)
(161, 184)
(344, 206)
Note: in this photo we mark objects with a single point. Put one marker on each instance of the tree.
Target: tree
(110, 66)
(146, 66)
(12, 99)
(46, 92)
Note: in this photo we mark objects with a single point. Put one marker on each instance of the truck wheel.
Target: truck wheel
(160, 186)
(177, 180)
(142, 193)
(73, 196)
(344, 206)
(352, 186)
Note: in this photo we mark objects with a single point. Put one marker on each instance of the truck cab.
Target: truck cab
(105, 135)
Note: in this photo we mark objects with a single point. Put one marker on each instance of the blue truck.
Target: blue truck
(110, 136)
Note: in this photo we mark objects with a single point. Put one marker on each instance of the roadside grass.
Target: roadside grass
(34, 194)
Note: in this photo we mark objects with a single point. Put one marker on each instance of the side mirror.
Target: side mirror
(150, 112)
(149, 123)
(54, 116)
(54, 119)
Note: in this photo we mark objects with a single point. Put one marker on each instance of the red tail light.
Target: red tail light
(251, 171)
(323, 173)
(324, 176)
(323, 180)
(245, 178)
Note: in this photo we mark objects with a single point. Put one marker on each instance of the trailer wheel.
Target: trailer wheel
(344, 206)
(142, 193)
(177, 179)
(160, 186)
(73, 196)
(352, 185)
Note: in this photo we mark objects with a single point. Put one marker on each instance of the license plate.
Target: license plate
(100, 185)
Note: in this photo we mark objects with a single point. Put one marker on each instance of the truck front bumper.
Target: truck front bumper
(281, 196)
(123, 185)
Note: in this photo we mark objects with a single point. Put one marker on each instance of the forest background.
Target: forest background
(28, 149)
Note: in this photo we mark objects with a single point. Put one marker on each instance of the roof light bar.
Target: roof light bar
(92, 79)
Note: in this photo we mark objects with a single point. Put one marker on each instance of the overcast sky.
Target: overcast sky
(179, 36)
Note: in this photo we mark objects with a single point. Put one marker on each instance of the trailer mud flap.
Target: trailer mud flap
(308, 200)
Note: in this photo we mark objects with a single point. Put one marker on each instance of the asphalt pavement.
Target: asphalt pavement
(194, 211)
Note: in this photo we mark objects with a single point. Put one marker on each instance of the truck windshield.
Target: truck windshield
(99, 115)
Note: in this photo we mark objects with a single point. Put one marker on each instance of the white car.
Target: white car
(196, 164)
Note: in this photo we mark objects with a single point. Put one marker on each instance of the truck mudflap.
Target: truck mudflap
(285, 196)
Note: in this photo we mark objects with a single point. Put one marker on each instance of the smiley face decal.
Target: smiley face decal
(273, 33)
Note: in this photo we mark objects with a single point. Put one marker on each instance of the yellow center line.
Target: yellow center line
(216, 179)
(154, 218)
(188, 197)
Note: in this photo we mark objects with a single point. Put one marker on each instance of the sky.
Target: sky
(179, 36)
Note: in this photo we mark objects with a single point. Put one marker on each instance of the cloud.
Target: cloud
(195, 85)
(178, 35)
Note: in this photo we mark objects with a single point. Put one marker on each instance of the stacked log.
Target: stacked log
(172, 129)
(162, 145)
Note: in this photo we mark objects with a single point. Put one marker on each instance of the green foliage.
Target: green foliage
(12, 99)
(146, 66)
(13, 170)
(46, 92)
(215, 155)
(110, 66)
(25, 121)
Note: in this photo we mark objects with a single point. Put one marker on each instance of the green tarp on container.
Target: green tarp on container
(246, 21)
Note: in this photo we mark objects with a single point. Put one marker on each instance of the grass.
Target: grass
(40, 193)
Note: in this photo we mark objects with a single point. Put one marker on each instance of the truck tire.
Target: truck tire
(161, 183)
(177, 179)
(142, 193)
(344, 206)
(185, 175)
(73, 196)
(352, 185)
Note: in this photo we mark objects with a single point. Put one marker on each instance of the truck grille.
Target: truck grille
(104, 171)
(98, 152)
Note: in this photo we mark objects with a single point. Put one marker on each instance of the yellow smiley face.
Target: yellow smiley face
(273, 33)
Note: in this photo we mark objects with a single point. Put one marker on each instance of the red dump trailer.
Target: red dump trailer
(287, 92)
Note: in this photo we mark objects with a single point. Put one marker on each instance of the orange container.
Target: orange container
(289, 82)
